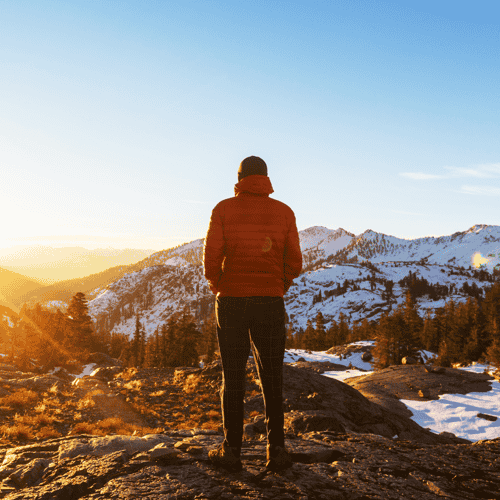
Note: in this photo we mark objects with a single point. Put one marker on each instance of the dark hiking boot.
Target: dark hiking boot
(278, 458)
(227, 457)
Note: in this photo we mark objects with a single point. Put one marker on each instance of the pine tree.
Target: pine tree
(80, 336)
(452, 337)
(290, 337)
(163, 346)
(412, 328)
(309, 341)
(210, 333)
(138, 344)
(172, 339)
(320, 333)
(391, 346)
(428, 335)
(189, 338)
(491, 308)
(493, 352)
(153, 350)
(299, 339)
(332, 334)
(475, 340)
(344, 332)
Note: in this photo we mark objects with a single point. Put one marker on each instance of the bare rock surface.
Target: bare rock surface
(344, 445)
(314, 402)
(346, 350)
(320, 366)
(327, 465)
(386, 387)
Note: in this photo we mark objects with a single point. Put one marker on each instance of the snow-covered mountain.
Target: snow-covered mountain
(478, 245)
(350, 272)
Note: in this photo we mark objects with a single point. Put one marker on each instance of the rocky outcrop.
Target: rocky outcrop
(320, 366)
(314, 402)
(175, 465)
(386, 387)
(345, 446)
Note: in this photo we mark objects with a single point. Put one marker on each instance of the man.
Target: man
(251, 256)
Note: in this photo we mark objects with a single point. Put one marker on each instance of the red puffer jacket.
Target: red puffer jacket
(252, 244)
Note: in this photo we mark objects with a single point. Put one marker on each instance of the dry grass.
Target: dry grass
(40, 407)
(48, 432)
(133, 385)
(54, 390)
(192, 384)
(19, 399)
(113, 425)
(144, 409)
(86, 402)
(18, 432)
(28, 427)
(213, 414)
(127, 374)
(34, 420)
(158, 394)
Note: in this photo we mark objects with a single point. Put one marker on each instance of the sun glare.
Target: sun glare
(478, 260)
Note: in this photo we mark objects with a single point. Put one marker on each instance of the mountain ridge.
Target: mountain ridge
(342, 272)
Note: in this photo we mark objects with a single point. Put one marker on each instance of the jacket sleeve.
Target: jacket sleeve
(213, 250)
(292, 254)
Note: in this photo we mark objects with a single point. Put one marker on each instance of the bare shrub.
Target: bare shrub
(48, 432)
(112, 425)
(127, 374)
(18, 432)
(19, 399)
(133, 385)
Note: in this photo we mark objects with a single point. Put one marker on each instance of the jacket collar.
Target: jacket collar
(255, 184)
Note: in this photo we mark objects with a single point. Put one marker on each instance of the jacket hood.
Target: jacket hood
(256, 184)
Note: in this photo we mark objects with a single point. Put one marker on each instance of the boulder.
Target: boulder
(485, 416)
(409, 360)
(366, 356)
(164, 453)
(100, 446)
(424, 393)
(63, 374)
(88, 382)
(311, 421)
(102, 359)
(105, 373)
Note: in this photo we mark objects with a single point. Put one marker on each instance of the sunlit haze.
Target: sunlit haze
(123, 123)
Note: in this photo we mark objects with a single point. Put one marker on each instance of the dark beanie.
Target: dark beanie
(253, 165)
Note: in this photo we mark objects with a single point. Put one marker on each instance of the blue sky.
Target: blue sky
(123, 123)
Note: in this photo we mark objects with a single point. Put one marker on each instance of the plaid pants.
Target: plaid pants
(260, 322)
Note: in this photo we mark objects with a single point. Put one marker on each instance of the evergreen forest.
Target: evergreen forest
(458, 332)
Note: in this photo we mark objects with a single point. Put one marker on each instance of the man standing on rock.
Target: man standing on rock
(251, 256)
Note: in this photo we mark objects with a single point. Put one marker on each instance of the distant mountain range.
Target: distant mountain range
(48, 264)
(169, 281)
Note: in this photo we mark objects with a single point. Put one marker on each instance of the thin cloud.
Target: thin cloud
(480, 190)
(485, 171)
(195, 201)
